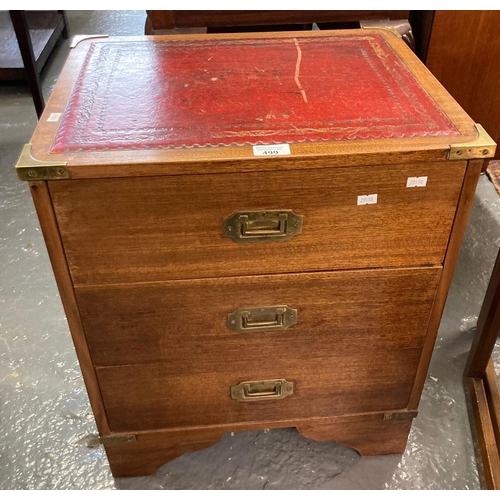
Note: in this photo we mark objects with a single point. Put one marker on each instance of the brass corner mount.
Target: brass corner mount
(482, 147)
(31, 169)
(80, 38)
(390, 29)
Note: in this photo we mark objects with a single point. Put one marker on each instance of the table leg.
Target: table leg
(24, 40)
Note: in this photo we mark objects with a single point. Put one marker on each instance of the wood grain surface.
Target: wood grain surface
(463, 55)
(167, 19)
(481, 384)
(146, 397)
(184, 323)
(355, 349)
(484, 432)
(493, 395)
(48, 224)
(156, 229)
(452, 251)
(369, 434)
(153, 449)
(488, 327)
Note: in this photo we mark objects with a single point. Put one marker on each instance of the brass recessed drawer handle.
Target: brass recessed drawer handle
(270, 225)
(262, 319)
(262, 390)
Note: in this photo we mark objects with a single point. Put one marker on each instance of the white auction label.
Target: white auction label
(54, 117)
(367, 199)
(416, 182)
(274, 150)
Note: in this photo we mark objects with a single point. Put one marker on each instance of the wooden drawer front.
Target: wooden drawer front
(146, 397)
(167, 358)
(162, 228)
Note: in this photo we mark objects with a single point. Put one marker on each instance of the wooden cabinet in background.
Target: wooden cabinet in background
(160, 22)
(26, 41)
(464, 54)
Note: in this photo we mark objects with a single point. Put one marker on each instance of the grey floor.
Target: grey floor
(46, 426)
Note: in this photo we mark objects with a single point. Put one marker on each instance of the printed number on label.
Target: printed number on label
(367, 199)
(274, 150)
(416, 182)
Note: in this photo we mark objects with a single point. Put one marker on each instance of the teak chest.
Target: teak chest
(252, 231)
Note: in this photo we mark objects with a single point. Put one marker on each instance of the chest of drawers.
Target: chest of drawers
(252, 231)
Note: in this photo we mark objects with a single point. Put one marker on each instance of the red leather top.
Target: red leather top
(150, 94)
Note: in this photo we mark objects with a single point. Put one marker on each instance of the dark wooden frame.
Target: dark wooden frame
(171, 22)
(32, 65)
(158, 21)
(481, 385)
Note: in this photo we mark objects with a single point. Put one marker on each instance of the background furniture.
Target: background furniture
(227, 21)
(481, 383)
(463, 53)
(459, 47)
(214, 21)
(27, 39)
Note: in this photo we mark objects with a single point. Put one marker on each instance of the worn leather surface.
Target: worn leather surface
(198, 93)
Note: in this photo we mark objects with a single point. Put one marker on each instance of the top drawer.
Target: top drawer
(171, 227)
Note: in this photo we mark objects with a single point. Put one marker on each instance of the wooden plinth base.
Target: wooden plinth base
(368, 434)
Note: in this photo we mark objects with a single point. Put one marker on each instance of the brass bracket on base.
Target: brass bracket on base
(400, 415)
(31, 169)
(482, 147)
(117, 439)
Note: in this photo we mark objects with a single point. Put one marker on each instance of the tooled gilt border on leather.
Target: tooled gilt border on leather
(87, 96)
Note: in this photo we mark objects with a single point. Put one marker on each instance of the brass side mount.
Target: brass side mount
(110, 440)
(31, 169)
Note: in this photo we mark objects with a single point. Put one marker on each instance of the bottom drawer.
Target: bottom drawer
(166, 357)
